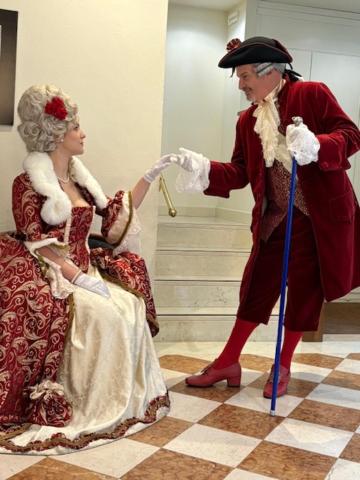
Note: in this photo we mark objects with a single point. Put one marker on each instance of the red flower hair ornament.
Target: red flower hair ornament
(56, 108)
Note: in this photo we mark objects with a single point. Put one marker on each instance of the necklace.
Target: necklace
(64, 180)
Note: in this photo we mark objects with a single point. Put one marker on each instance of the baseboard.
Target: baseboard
(210, 330)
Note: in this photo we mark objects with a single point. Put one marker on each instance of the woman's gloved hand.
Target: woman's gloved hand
(159, 166)
(302, 144)
(92, 284)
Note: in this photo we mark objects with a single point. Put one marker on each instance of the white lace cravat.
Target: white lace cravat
(267, 123)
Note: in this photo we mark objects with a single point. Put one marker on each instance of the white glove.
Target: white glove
(159, 166)
(302, 144)
(190, 161)
(195, 178)
(92, 284)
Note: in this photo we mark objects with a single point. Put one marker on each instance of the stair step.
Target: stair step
(194, 293)
(200, 264)
(203, 232)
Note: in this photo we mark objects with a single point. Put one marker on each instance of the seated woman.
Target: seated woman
(77, 361)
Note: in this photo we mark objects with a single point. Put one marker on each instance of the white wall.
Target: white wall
(109, 56)
(194, 90)
(241, 201)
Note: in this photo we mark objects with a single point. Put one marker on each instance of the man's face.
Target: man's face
(255, 88)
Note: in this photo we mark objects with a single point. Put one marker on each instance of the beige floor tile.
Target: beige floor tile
(328, 415)
(171, 465)
(311, 373)
(11, 464)
(311, 437)
(114, 459)
(50, 468)
(253, 399)
(352, 449)
(343, 397)
(172, 377)
(286, 463)
(190, 409)
(241, 420)
(181, 363)
(214, 445)
(161, 432)
(344, 470)
(349, 365)
(317, 359)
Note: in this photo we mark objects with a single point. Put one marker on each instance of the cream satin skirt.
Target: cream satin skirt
(110, 372)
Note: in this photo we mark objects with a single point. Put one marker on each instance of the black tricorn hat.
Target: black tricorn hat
(254, 50)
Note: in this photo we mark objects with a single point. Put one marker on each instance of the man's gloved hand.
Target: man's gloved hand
(191, 161)
(93, 284)
(159, 166)
(195, 174)
(302, 144)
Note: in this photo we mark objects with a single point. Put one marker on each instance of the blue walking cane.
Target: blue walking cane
(297, 121)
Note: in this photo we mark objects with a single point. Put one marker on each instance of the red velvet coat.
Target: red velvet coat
(332, 204)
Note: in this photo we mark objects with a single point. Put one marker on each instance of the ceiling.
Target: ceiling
(226, 5)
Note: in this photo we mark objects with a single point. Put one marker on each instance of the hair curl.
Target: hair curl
(40, 131)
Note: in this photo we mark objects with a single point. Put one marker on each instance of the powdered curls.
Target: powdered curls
(41, 131)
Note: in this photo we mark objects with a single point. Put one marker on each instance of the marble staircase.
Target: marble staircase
(198, 270)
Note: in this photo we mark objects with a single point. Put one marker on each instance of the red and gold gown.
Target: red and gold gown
(76, 369)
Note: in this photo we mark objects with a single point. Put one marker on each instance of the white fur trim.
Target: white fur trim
(57, 206)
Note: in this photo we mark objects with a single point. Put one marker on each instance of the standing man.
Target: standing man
(325, 248)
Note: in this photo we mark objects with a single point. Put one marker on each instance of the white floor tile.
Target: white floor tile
(249, 376)
(311, 437)
(343, 397)
(114, 459)
(239, 474)
(213, 444)
(12, 464)
(192, 409)
(309, 372)
(344, 470)
(349, 366)
(253, 398)
(172, 377)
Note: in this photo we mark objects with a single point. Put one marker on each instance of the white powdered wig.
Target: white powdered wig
(39, 130)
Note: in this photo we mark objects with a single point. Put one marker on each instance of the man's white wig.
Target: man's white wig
(263, 69)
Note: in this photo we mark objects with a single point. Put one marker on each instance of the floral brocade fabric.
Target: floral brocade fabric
(33, 323)
(33, 327)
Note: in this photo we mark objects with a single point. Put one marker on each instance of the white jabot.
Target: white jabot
(267, 123)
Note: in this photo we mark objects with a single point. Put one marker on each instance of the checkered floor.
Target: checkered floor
(227, 433)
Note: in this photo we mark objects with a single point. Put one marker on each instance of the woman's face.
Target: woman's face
(73, 142)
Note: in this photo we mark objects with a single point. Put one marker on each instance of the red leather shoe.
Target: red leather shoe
(210, 375)
(284, 379)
